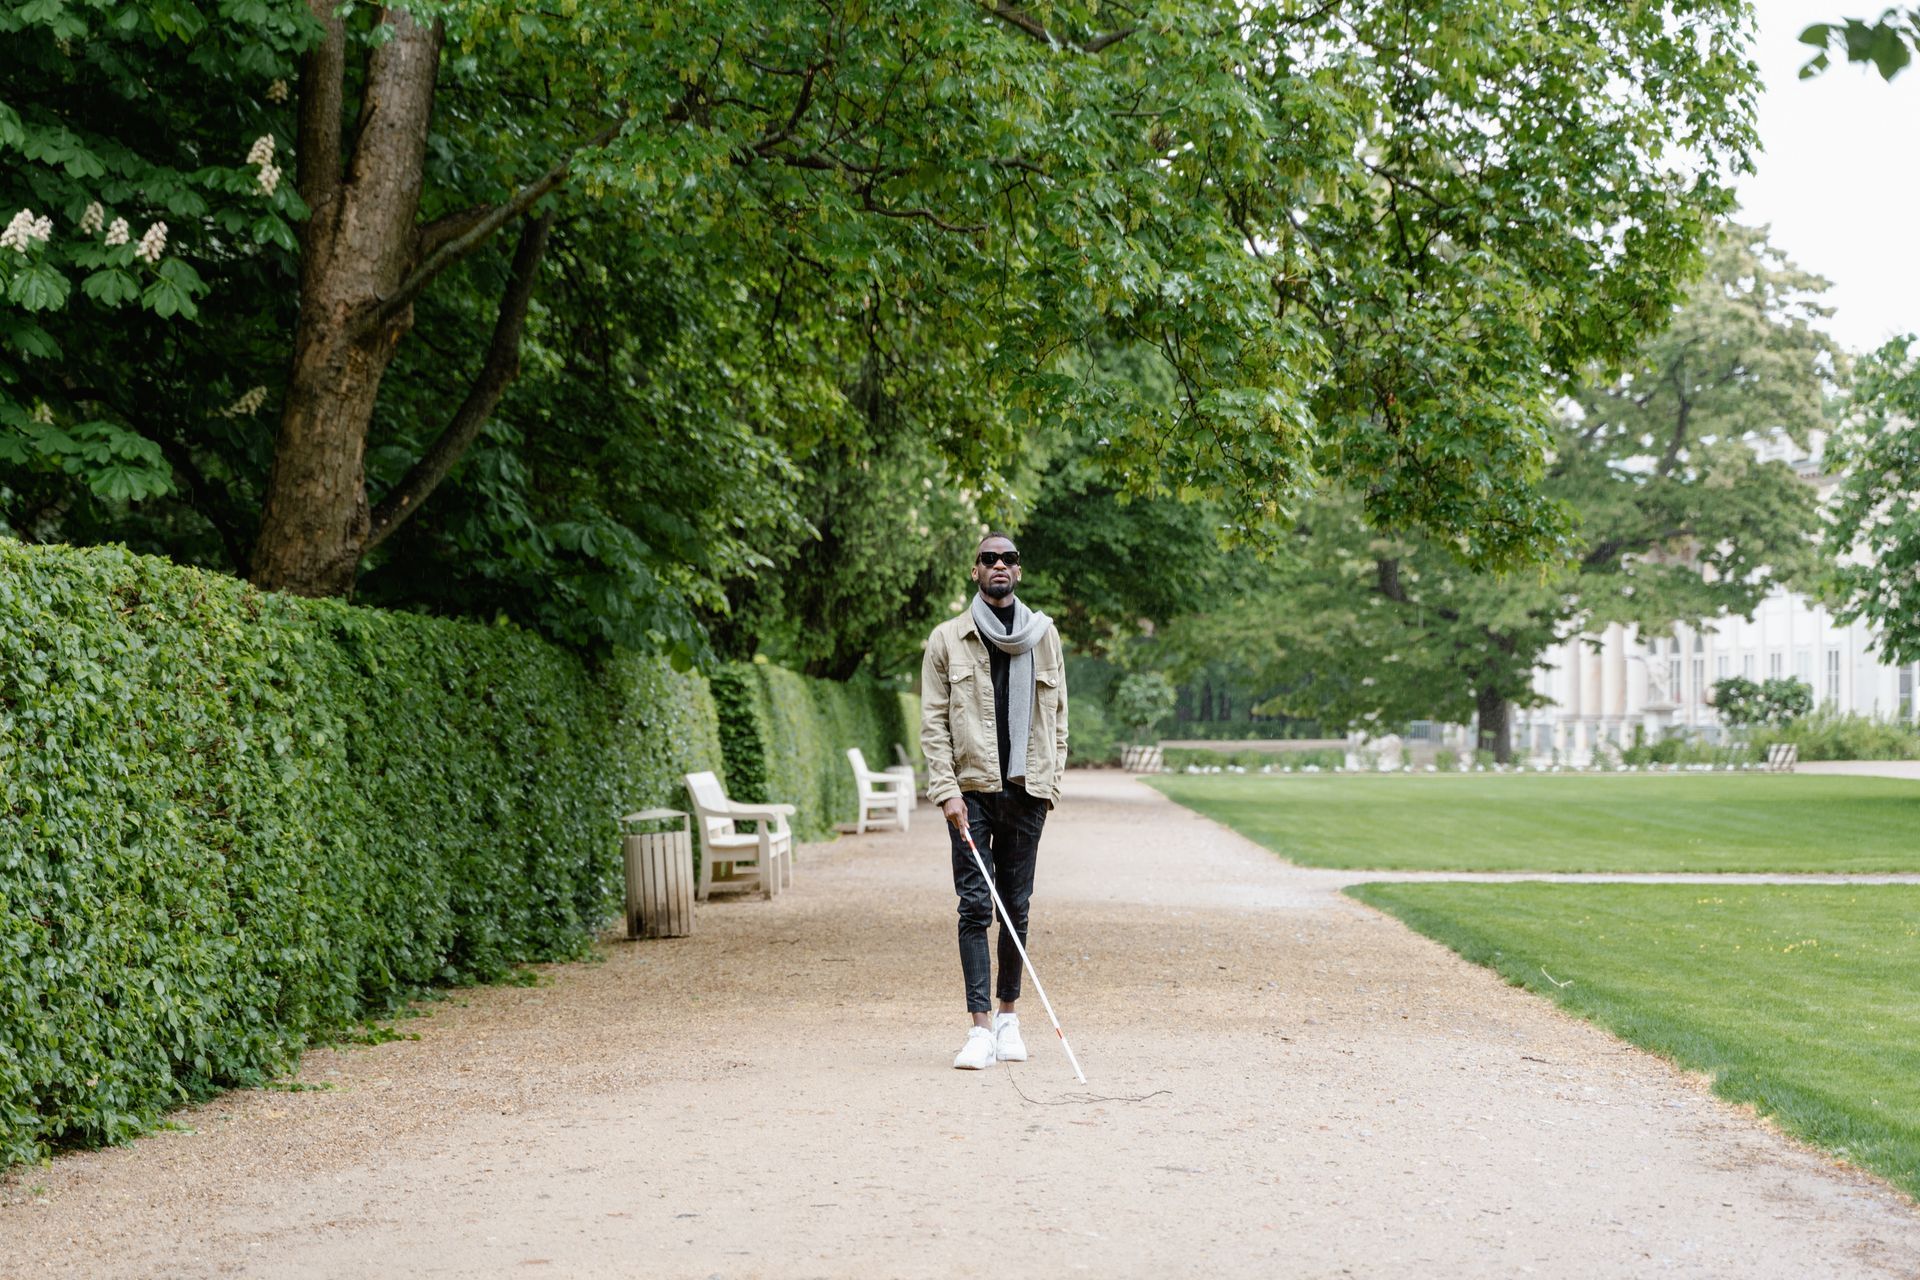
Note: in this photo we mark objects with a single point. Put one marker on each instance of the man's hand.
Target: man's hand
(956, 811)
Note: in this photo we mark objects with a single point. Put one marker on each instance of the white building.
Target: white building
(1601, 686)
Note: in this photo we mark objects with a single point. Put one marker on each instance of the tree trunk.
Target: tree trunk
(356, 251)
(1496, 725)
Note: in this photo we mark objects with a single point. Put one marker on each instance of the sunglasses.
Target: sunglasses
(990, 558)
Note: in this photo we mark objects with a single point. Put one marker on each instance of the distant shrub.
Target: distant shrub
(1249, 730)
(1831, 735)
(1141, 701)
(1779, 700)
(1252, 759)
(1677, 747)
(1090, 736)
(1446, 760)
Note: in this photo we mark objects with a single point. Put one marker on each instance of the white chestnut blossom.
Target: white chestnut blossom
(261, 152)
(269, 177)
(25, 231)
(278, 91)
(42, 413)
(93, 219)
(248, 404)
(152, 244)
(117, 233)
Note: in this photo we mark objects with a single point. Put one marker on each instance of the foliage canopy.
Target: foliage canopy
(1366, 245)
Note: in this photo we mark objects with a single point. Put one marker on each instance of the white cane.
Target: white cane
(1014, 933)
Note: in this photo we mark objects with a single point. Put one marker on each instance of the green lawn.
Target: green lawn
(1611, 822)
(1800, 1000)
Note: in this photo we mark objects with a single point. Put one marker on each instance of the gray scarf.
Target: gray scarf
(1028, 628)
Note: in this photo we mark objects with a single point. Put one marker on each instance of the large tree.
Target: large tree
(1367, 244)
(1679, 520)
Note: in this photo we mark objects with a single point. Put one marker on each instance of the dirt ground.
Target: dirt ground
(1281, 1083)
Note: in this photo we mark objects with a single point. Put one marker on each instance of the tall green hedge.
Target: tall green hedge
(231, 821)
(785, 737)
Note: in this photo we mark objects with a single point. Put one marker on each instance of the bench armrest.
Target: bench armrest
(759, 810)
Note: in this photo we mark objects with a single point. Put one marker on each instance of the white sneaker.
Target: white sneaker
(977, 1053)
(1007, 1044)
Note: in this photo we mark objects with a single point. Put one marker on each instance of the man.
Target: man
(993, 729)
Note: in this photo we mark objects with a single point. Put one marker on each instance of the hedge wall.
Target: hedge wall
(232, 821)
(785, 739)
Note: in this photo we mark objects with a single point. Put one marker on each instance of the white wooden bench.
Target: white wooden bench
(1782, 757)
(903, 763)
(759, 859)
(884, 797)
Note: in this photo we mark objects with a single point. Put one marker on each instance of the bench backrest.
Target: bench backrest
(859, 759)
(704, 790)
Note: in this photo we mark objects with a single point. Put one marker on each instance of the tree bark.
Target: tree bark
(1496, 723)
(357, 249)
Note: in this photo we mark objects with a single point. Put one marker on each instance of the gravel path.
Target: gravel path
(1321, 1092)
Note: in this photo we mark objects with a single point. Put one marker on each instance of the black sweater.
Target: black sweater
(1000, 660)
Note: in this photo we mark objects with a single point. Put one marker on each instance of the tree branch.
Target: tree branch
(867, 203)
(448, 225)
(497, 371)
(800, 105)
(457, 246)
(181, 460)
(1025, 23)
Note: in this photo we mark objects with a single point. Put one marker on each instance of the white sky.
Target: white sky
(1838, 179)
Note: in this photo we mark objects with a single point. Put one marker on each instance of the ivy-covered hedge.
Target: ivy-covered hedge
(785, 738)
(230, 822)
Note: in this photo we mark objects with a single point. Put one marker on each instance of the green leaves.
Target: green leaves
(171, 291)
(110, 287)
(1887, 42)
(1874, 521)
(38, 286)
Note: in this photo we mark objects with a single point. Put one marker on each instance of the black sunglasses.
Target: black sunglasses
(990, 558)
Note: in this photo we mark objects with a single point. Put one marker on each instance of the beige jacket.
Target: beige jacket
(957, 731)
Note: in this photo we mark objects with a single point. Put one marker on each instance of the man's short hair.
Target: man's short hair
(985, 538)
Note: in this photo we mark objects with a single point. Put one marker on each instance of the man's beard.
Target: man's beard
(996, 593)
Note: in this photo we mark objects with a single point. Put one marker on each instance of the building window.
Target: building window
(1722, 666)
(1747, 665)
(1775, 661)
(1673, 678)
(1803, 666)
(1833, 677)
(1699, 680)
(1699, 642)
(1906, 693)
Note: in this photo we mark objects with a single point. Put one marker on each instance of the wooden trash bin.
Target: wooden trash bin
(659, 868)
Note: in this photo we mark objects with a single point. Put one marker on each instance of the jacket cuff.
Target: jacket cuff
(942, 794)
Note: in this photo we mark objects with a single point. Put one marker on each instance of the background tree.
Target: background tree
(1680, 521)
(1875, 517)
(1742, 702)
(1141, 701)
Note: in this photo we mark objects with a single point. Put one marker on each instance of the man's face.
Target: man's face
(997, 580)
